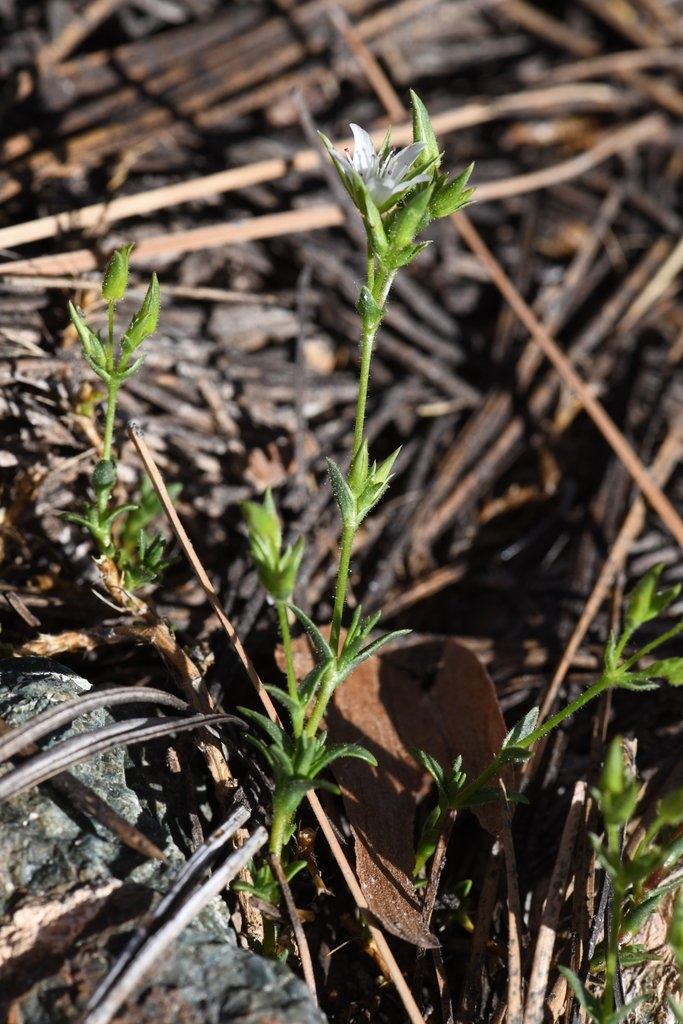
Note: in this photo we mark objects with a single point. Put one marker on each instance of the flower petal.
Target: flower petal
(364, 155)
(403, 159)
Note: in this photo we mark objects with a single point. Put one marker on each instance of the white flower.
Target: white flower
(384, 175)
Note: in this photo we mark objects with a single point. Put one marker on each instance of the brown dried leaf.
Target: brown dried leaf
(385, 706)
(380, 802)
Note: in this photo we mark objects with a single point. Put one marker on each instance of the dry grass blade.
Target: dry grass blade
(53, 718)
(172, 915)
(80, 748)
(538, 981)
(605, 424)
(514, 915)
(299, 934)
(663, 465)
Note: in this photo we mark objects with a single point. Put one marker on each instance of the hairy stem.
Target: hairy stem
(345, 548)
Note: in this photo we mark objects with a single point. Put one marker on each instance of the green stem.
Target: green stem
(674, 631)
(279, 828)
(380, 287)
(269, 937)
(367, 343)
(285, 631)
(108, 435)
(498, 762)
(345, 548)
(551, 723)
(612, 943)
(328, 685)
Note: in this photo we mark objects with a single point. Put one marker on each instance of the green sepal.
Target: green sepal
(277, 569)
(409, 218)
(645, 603)
(611, 655)
(358, 470)
(617, 794)
(372, 218)
(262, 520)
(144, 322)
(349, 185)
(116, 275)
(451, 195)
(423, 132)
(375, 487)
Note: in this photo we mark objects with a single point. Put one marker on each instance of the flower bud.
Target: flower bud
(104, 475)
(116, 275)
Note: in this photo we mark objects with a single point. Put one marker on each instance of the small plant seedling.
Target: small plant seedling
(120, 531)
(396, 194)
(639, 882)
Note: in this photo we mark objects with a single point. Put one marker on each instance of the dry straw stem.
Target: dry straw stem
(538, 981)
(605, 424)
(665, 461)
(99, 215)
(406, 996)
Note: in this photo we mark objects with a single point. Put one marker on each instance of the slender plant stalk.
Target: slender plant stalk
(345, 549)
(286, 634)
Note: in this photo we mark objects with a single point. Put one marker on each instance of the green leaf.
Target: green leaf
(116, 275)
(670, 808)
(675, 1007)
(670, 669)
(430, 765)
(402, 257)
(675, 933)
(346, 667)
(522, 729)
(359, 469)
(342, 493)
(93, 348)
(354, 750)
(322, 648)
(587, 1000)
(273, 731)
(635, 681)
(369, 310)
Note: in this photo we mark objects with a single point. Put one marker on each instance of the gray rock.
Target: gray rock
(70, 893)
